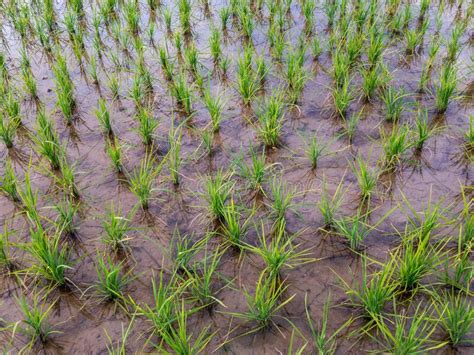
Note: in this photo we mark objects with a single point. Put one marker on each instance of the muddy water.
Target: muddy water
(437, 175)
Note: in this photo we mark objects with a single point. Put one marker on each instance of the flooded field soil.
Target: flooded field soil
(241, 176)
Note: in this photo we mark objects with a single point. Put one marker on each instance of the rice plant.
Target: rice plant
(147, 125)
(218, 191)
(181, 91)
(366, 178)
(281, 202)
(174, 153)
(314, 151)
(117, 227)
(456, 317)
(247, 82)
(9, 182)
(446, 87)
(215, 105)
(142, 180)
(66, 213)
(234, 227)
(6, 258)
(422, 129)
(47, 140)
(64, 88)
(111, 279)
(395, 145)
(353, 229)
(254, 173)
(342, 96)
(329, 206)
(103, 117)
(67, 178)
(36, 318)
(8, 129)
(271, 120)
(394, 106)
(113, 149)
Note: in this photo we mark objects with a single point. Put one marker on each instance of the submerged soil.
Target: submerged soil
(435, 175)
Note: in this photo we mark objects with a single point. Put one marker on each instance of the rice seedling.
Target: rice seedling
(215, 44)
(174, 153)
(202, 280)
(423, 131)
(351, 126)
(9, 182)
(36, 316)
(373, 78)
(373, 292)
(147, 125)
(66, 212)
(314, 151)
(446, 87)
(132, 16)
(466, 238)
(119, 347)
(323, 342)
(410, 335)
(395, 145)
(52, 258)
(6, 258)
(456, 316)
(454, 44)
(8, 128)
(265, 303)
(469, 135)
(114, 151)
(166, 64)
(315, 46)
(233, 229)
(142, 179)
(329, 206)
(394, 105)
(279, 251)
(247, 82)
(179, 339)
(366, 178)
(167, 18)
(111, 279)
(64, 88)
(117, 227)
(353, 229)
(103, 117)
(271, 120)
(254, 173)
(458, 270)
(67, 179)
(47, 140)
(114, 86)
(29, 200)
(342, 96)
(215, 105)
(295, 75)
(218, 191)
(376, 46)
(181, 91)
(191, 56)
(185, 8)
(224, 15)
(281, 201)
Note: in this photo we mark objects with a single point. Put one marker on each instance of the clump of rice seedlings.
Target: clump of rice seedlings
(271, 120)
(281, 201)
(415, 259)
(11, 107)
(422, 129)
(469, 135)
(410, 335)
(114, 151)
(184, 250)
(117, 227)
(233, 230)
(224, 66)
(395, 145)
(456, 317)
(215, 105)
(454, 44)
(67, 179)
(376, 45)
(315, 46)
(329, 206)
(366, 178)
(142, 180)
(215, 45)
(36, 319)
(279, 251)
(458, 270)
(261, 69)
(167, 18)
(111, 279)
(184, 7)
(353, 229)
(224, 15)
(413, 38)
(119, 347)
(191, 56)
(265, 303)
(295, 74)
(202, 280)
(247, 82)
(245, 16)
(8, 128)
(255, 172)
(181, 91)
(52, 258)
(314, 151)
(446, 87)
(47, 140)
(373, 292)
(342, 96)
(393, 100)
(351, 125)
(103, 117)
(131, 14)
(29, 200)
(137, 91)
(166, 63)
(323, 342)
(147, 125)
(466, 238)
(6, 258)
(174, 153)
(65, 219)
(218, 191)
(64, 88)
(29, 80)
(165, 297)
(373, 78)
(179, 339)
(8, 182)
(308, 8)
(114, 86)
